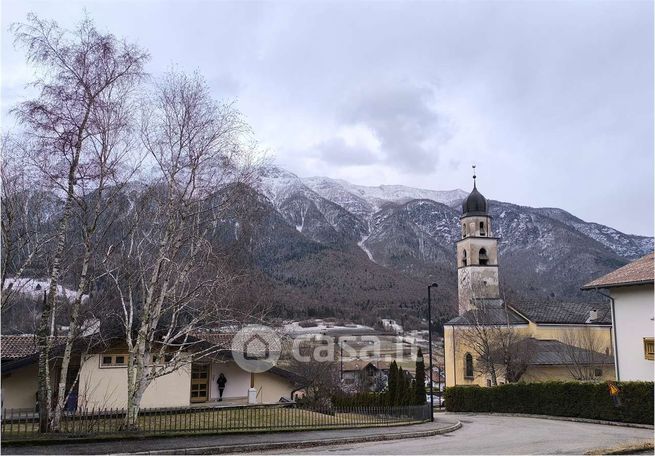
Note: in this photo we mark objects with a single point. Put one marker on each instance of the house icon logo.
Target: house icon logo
(256, 348)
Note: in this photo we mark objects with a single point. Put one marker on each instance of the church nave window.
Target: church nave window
(468, 359)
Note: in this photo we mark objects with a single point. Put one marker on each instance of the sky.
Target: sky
(552, 100)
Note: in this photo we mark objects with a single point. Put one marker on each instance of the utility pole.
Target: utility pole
(341, 357)
(434, 285)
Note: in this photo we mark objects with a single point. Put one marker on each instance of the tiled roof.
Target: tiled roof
(20, 346)
(287, 374)
(563, 312)
(488, 316)
(554, 352)
(360, 364)
(222, 340)
(640, 271)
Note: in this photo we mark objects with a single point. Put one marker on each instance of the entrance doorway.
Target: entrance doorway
(199, 382)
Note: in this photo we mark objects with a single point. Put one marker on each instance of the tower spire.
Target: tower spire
(474, 176)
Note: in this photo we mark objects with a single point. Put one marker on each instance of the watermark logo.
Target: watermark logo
(256, 348)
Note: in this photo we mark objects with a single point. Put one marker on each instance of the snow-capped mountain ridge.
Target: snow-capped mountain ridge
(414, 231)
(376, 197)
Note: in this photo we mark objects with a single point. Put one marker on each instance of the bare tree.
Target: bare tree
(79, 71)
(583, 349)
(322, 380)
(168, 274)
(24, 225)
(500, 350)
(113, 162)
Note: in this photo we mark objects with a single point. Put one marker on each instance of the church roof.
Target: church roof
(554, 352)
(488, 316)
(636, 273)
(563, 312)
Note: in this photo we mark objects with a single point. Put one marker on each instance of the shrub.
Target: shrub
(582, 400)
(359, 400)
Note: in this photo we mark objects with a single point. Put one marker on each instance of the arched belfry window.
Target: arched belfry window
(484, 259)
(468, 359)
(482, 230)
(464, 258)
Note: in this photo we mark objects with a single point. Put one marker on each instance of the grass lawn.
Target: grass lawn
(245, 419)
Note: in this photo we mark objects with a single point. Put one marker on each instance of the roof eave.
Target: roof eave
(591, 286)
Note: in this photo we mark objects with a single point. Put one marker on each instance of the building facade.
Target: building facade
(631, 292)
(102, 380)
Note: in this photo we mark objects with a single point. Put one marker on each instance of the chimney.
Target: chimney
(593, 315)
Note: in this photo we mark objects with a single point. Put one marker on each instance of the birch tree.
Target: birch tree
(168, 274)
(77, 71)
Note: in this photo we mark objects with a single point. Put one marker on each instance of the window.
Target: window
(469, 366)
(482, 232)
(489, 382)
(649, 351)
(463, 230)
(598, 372)
(464, 258)
(113, 360)
(484, 259)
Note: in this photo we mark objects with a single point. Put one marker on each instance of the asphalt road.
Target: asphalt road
(483, 434)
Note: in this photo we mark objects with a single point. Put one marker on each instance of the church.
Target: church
(493, 342)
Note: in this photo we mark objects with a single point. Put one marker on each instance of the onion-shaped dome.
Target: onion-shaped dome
(475, 203)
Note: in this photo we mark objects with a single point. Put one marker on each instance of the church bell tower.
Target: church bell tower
(477, 253)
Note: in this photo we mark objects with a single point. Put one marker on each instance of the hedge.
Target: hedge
(582, 400)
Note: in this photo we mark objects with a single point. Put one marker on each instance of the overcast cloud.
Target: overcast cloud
(552, 100)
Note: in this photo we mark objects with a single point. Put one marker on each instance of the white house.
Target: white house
(630, 289)
(102, 379)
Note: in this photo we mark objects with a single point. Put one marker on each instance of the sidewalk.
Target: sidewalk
(216, 444)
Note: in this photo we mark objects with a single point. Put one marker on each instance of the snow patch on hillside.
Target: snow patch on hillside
(36, 287)
(365, 249)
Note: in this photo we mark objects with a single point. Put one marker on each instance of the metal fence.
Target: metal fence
(24, 424)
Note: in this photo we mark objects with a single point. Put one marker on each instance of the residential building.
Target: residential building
(365, 375)
(630, 289)
(102, 381)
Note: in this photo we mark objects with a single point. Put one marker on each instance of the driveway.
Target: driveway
(484, 434)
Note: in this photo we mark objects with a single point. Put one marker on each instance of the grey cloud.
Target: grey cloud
(403, 118)
(336, 151)
(547, 92)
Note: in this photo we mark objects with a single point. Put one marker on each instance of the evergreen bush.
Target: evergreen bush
(571, 399)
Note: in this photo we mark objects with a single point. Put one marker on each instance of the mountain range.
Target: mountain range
(406, 237)
(321, 247)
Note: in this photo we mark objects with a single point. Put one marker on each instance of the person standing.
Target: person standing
(221, 385)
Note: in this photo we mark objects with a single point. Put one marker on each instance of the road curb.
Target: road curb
(562, 418)
(623, 449)
(256, 447)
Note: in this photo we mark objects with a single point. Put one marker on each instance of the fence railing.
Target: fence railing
(24, 424)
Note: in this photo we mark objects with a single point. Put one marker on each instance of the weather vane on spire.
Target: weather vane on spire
(474, 176)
